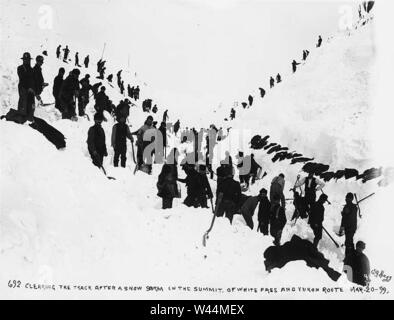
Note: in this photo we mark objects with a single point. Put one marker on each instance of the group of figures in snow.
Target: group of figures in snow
(196, 163)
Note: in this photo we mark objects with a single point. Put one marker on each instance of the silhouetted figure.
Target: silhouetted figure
(232, 114)
(305, 54)
(141, 144)
(57, 84)
(96, 141)
(77, 60)
(165, 116)
(277, 187)
(177, 126)
(123, 109)
(316, 217)
(294, 65)
(99, 65)
(26, 87)
(254, 168)
(277, 219)
(132, 90)
(83, 97)
(319, 42)
(278, 78)
(231, 191)
(86, 61)
(58, 51)
(95, 88)
(68, 93)
(120, 134)
(66, 53)
(163, 131)
(264, 213)
(244, 105)
(249, 206)
(122, 87)
(250, 99)
(244, 168)
(349, 223)
(119, 78)
(368, 5)
(359, 263)
(198, 188)
(311, 185)
(102, 101)
(154, 109)
(167, 182)
(102, 74)
(272, 82)
(39, 83)
(137, 93)
(262, 92)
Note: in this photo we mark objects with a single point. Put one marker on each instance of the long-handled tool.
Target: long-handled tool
(105, 172)
(359, 201)
(133, 152)
(324, 193)
(365, 198)
(206, 234)
(358, 206)
(336, 243)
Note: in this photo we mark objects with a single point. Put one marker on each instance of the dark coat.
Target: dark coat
(102, 101)
(57, 84)
(96, 140)
(264, 210)
(69, 88)
(38, 80)
(349, 217)
(166, 184)
(230, 189)
(277, 217)
(26, 77)
(120, 132)
(360, 267)
(163, 131)
(316, 215)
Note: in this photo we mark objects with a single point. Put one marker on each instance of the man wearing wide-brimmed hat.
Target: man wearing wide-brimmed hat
(26, 87)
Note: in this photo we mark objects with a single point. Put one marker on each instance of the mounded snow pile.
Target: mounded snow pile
(63, 221)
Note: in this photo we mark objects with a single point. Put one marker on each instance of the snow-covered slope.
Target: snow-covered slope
(63, 222)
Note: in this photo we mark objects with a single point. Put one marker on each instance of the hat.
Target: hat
(26, 56)
(40, 58)
(77, 72)
(350, 196)
(263, 190)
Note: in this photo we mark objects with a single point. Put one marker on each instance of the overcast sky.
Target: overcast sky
(191, 53)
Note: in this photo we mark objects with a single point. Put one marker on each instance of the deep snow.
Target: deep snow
(63, 222)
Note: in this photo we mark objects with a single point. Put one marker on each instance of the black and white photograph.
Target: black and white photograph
(196, 150)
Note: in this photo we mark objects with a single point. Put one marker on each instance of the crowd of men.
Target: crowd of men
(271, 205)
